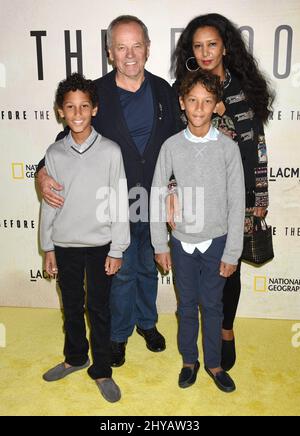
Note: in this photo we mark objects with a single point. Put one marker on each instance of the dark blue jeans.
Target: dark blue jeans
(199, 284)
(134, 287)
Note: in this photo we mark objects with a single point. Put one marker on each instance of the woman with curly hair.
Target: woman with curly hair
(212, 42)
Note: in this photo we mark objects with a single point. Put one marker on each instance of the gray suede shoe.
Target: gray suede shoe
(109, 389)
(60, 371)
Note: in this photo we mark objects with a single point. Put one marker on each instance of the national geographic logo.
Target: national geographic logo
(260, 284)
(276, 284)
(21, 170)
(284, 173)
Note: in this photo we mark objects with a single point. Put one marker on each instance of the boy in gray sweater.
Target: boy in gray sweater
(208, 239)
(88, 234)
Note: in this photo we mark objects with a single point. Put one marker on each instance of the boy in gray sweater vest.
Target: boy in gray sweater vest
(208, 239)
(88, 234)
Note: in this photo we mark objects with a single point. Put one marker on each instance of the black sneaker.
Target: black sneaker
(188, 376)
(222, 380)
(117, 353)
(154, 340)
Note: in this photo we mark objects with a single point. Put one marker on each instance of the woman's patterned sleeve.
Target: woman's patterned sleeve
(172, 185)
(261, 172)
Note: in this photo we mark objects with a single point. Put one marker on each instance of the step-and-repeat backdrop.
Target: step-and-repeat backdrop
(43, 40)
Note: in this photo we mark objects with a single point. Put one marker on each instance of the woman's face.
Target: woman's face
(209, 49)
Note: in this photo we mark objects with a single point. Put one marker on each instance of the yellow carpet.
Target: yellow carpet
(266, 373)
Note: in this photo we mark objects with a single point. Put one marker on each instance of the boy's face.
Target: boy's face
(199, 105)
(78, 111)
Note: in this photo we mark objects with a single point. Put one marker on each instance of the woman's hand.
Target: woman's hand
(47, 186)
(260, 212)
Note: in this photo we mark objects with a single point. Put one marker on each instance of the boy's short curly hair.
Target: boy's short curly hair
(76, 82)
(211, 83)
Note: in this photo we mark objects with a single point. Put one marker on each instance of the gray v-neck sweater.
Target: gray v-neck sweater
(95, 210)
(210, 177)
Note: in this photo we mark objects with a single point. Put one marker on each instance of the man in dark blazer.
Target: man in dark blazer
(138, 110)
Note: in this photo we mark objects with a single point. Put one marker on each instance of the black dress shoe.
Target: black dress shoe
(154, 340)
(117, 353)
(188, 376)
(222, 380)
(228, 354)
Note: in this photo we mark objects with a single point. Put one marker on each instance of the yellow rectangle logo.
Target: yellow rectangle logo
(260, 284)
(17, 170)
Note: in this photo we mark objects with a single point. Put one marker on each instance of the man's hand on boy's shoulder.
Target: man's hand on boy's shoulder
(164, 260)
(112, 265)
(226, 269)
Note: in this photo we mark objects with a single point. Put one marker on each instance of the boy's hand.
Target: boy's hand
(46, 186)
(50, 264)
(172, 210)
(164, 260)
(112, 265)
(226, 269)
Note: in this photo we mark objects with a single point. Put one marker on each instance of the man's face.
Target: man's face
(129, 50)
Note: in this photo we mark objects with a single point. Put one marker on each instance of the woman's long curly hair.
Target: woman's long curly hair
(237, 59)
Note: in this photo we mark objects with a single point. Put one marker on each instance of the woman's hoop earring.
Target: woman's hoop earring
(187, 64)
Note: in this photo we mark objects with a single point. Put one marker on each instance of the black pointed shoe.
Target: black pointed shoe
(228, 354)
(222, 380)
(117, 353)
(188, 376)
(154, 340)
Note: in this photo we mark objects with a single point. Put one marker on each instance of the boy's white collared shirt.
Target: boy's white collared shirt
(212, 135)
(202, 246)
(81, 148)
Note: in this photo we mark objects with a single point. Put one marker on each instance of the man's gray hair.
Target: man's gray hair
(125, 19)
